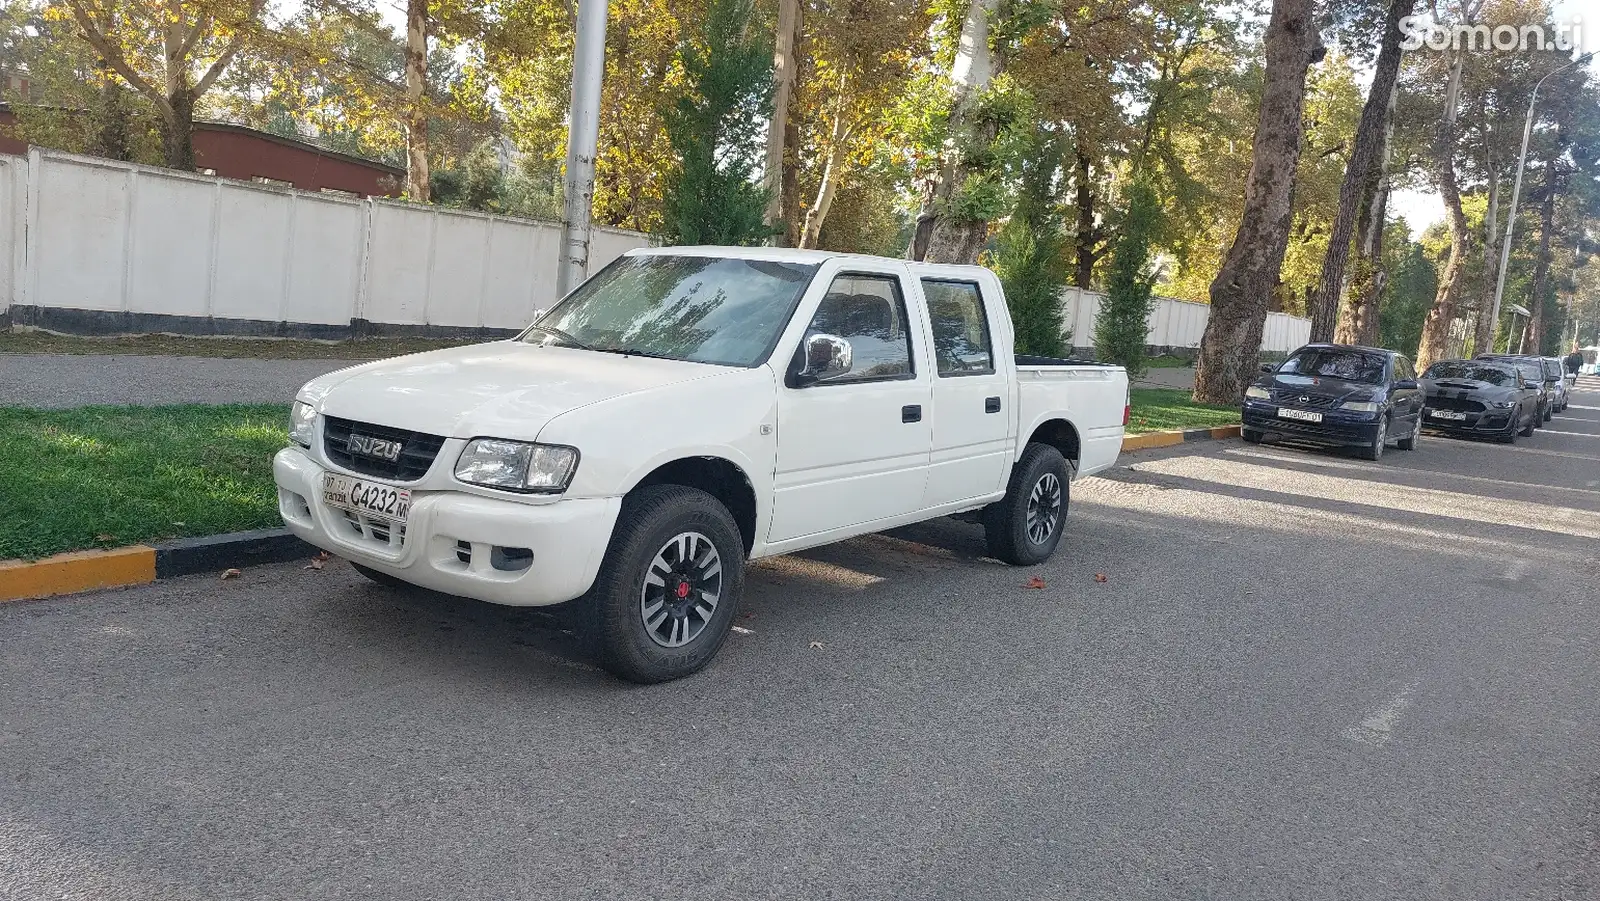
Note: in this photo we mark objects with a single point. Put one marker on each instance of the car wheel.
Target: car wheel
(1374, 451)
(1409, 442)
(1250, 436)
(1548, 414)
(1024, 527)
(384, 579)
(669, 585)
(1533, 423)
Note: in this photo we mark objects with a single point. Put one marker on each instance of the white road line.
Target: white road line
(1309, 460)
(1517, 569)
(1378, 726)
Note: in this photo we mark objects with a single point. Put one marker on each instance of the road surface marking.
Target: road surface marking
(1378, 726)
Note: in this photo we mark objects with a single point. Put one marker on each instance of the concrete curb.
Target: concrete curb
(1149, 440)
(140, 563)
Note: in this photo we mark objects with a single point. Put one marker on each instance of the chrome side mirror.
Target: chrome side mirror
(826, 357)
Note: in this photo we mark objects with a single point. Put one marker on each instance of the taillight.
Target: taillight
(1127, 410)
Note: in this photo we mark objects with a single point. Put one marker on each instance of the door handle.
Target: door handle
(991, 405)
(911, 413)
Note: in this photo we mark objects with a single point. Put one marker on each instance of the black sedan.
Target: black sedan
(1337, 394)
(1533, 373)
(1480, 397)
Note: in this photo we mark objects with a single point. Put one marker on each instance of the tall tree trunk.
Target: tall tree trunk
(1484, 324)
(1231, 346)
(1541, 265)
(832, 170)
(416, 109)
(792, 217)
(784, 66)
(1086, 241)
(947, 232)
(114, 138)
(1436, 328)
(1358, 315)
(177, 130)
(1358, 174)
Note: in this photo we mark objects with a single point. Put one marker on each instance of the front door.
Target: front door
(971, 399)
(853, 448)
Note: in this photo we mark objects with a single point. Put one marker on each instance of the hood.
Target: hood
(1318, 390)
(1458, 387)
(506, 389)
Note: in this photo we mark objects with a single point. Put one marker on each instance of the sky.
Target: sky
(1423, 208)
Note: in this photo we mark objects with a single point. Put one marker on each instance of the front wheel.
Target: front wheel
(1024, 527)
(668, 587)
(1409, 442)
(1533, 423)
(1250, 436)
(1380, 440)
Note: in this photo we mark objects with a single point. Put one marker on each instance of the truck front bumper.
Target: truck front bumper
(500, 551)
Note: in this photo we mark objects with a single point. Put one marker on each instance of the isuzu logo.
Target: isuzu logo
(378, 448)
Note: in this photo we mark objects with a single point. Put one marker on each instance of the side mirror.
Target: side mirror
(826, 357)
(1406, 385)
(1266, 367)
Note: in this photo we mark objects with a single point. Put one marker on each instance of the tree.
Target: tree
(1030, 257)
(1409, 293)
(1122, 327)
(713, 196)
(418, 25)
(172, 53)
(784, 68)
(1231, 345)
(1362, 174)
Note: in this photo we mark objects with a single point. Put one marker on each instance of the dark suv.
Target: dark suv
(1337, 394)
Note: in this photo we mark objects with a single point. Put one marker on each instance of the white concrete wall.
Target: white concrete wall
(118, 238)
(1176, 323)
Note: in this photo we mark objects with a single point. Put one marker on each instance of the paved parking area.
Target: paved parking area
(74, 380)
(1304, 676)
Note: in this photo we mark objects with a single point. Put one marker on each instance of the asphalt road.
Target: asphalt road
(1305, 676)
(74, 380)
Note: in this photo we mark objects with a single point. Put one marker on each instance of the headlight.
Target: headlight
(1258, 392)
(1361, 406)
(1502, 404)
(517, 465)
(302, 417)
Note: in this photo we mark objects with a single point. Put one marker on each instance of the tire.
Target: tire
(1024, 527)
(1409, 443)
(1249, 436)
(1374, 451)
(1548, 414)
(1527, 430)
(648, 633)
(384, 579)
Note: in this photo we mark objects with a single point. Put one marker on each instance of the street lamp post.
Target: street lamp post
(583, 133)
(1516, 193)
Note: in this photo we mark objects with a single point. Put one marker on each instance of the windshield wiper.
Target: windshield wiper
(562, 335)
(630, 352)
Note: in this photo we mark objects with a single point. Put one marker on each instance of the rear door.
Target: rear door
(971, 423)
(854, 449)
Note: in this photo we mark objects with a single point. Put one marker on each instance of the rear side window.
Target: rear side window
(961, 344)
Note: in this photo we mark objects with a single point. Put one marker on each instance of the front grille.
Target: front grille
(417, 449)
(1289, 397)
(1459, 404)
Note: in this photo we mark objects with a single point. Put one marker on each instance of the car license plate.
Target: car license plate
(1447, 414)
(371, 498)
(1302, 415)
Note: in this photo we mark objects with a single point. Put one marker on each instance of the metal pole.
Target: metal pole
(1516, 193)
(583, 139)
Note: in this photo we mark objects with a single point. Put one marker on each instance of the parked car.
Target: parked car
(1532, 372)
(681, 412)
(1555, 375)
(1480, 397)
(1339, 395)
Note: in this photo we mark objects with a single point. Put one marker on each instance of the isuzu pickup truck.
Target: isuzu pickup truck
(686, 410)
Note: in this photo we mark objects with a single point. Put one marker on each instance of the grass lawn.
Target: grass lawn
(109, 476)
(1155, 409)
(229, 348)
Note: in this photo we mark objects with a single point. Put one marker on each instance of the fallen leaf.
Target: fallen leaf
(1035, 583)
(105, 538)
(743, 631)
(1099, 577)
(816, 646)
(316, 563)
(231, 574)
(180, 524)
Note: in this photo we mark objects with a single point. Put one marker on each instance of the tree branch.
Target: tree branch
(114, 58)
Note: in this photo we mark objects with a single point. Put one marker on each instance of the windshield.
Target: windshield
(702, 309)
(1475, 372)
(1350, 365)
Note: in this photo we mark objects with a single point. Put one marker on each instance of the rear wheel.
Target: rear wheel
(1024, 527)
(1380, 439)
(669, 585)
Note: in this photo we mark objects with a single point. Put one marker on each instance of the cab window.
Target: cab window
(869, 311)
(961, 344)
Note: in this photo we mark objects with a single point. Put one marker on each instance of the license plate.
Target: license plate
(1447, 414)
(370, 498)
(1302, 415)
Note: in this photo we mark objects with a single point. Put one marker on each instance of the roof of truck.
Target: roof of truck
(777, 255)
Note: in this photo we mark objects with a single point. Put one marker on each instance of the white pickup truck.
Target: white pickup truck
(686, 410)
